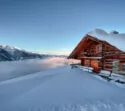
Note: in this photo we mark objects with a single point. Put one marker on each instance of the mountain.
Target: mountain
(5, 56)
(8, 53)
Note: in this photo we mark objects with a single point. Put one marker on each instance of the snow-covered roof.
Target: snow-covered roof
(115, 39)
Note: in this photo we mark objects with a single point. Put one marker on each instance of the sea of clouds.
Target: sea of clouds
(9, 70)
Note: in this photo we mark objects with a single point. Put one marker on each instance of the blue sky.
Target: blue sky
(56, 26)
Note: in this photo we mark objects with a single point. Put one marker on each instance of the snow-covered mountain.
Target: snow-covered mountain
(4, 55)
(10, 49)
(8, 53)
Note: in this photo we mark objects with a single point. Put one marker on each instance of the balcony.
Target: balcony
(89, 54)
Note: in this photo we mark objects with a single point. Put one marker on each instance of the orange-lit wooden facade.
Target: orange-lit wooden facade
(98, 54)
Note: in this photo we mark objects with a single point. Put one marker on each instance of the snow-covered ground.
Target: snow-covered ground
(60, 89)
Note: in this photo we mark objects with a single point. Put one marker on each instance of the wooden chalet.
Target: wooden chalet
(99, 54)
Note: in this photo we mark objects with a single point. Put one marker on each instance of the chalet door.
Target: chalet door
(95, 65)
(82, 62)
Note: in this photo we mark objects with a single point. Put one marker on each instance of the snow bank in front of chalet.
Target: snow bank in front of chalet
(113, 78)
(117, 40)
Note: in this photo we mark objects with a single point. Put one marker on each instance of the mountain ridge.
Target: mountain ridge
(10, 53)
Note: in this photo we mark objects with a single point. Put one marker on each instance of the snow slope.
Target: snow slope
(60, 89)
(116, 40)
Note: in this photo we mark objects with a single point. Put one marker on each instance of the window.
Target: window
(123, 67)
(99, 48)
(87, 63)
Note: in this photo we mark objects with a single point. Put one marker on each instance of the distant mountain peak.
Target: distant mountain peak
(9, 47)
(10, 53)
(15, 53)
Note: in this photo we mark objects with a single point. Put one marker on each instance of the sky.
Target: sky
(56, 26)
